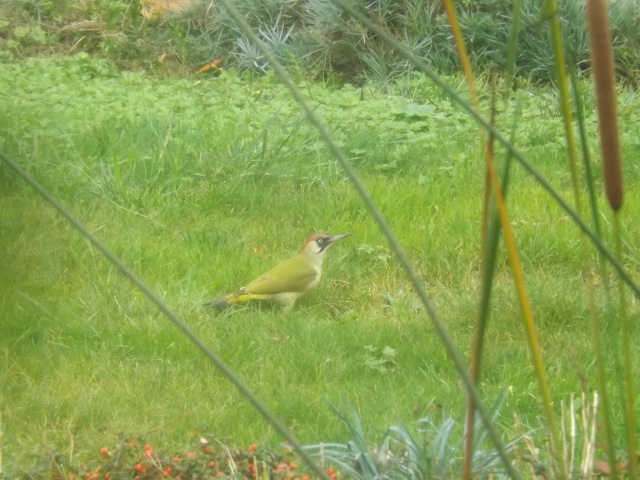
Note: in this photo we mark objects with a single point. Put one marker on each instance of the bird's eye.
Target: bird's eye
(320, 241)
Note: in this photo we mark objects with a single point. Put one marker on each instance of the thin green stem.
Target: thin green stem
(488, 267)
(586, 157)
(625, 330)
(513, 47)
(593, 311)
(565, 102)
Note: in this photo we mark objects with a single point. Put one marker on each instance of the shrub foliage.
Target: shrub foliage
(313, 36)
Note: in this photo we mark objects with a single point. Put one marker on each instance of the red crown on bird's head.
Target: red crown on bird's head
(311, 239)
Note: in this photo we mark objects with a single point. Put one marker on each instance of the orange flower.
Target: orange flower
(104, 452)
(333, 475)
(212, 464)
(148, 451)
(167, 471)
(140, 468)
(191, 455)
(253, 447)
(208, 450)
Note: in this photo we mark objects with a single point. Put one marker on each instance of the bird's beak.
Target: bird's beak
(337, 238)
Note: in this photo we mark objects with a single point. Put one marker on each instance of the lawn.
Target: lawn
(199, 184)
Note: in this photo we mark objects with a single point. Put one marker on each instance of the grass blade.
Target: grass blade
(513, 48)
(628, 370)
(462, 51)
(565, 102)
(601, 375)
(489, 256)
(482, 318)
(527, 313)
(565, 107)
(525, 304)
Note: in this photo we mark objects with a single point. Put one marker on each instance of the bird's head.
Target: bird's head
(317, 245)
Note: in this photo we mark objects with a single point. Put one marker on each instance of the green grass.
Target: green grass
(199, 186)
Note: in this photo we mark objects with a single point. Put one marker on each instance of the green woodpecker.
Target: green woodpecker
(289, 280)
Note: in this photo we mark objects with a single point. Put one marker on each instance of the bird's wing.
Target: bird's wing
(292, 275)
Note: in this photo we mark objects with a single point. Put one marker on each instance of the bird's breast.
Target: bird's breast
(314, 283)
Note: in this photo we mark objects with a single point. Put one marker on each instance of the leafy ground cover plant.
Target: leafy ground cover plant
(313, 37)
(155, 165)
(432, 450)
(132, 458)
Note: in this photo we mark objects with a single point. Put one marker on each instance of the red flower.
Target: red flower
(148, 451)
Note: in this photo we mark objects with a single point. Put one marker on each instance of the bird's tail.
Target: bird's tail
(234, 299)
(220, 302)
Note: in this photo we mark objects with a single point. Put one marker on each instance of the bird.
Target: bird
(287, 281)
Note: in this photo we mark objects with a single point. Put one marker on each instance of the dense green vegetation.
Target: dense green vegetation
(199, 185)
(314, 37)
(201, 182)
